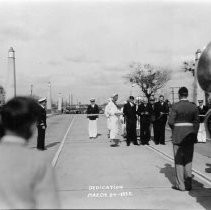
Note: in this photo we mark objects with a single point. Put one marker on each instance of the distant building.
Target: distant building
(2, 96)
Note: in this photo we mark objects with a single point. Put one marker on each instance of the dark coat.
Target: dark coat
(92, 110)
(42, 118)
(129, 112)
(161, 112)
(202, 111)
(152, 112)
(184, 112)
(144, 112)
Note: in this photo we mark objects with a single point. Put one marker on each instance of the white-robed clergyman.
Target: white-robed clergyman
(108, 117)
(114, 115)
(92, 115)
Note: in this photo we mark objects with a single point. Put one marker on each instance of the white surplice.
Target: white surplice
(108, 117)
(115, 124)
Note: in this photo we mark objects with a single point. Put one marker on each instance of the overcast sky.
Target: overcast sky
(85, 47)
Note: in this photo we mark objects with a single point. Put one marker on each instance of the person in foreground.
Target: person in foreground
(27, 179)
(184, 122)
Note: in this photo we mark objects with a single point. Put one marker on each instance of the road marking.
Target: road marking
(195, 172)
(54, 161)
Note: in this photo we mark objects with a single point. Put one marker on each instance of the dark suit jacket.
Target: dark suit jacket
(184, 112)
(159, 109)
(129, 112)
(144, 112)
(42, 118)
(202, 111)
(92, 110)
(152, 112)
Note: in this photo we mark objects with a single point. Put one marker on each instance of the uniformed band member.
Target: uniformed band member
(202, 112)
(161, 112)
(129, 112)
(184, 122)
(144, 113)
(41, 124)
(92, 115)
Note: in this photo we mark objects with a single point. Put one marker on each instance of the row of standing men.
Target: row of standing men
(154, 113)
(151, 113)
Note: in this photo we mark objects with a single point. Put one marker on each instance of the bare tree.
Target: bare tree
(148, 77)
(189, 66)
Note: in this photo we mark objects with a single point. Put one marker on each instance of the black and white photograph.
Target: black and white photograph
(105, 104)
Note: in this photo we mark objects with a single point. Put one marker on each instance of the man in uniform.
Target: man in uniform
(41, 124)
(161, 112)
(184, 122)
(144, 113)
(129, 112)
(92, 114)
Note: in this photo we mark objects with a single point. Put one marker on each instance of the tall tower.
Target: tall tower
(10, 88)
(49, 98)
(60, 103)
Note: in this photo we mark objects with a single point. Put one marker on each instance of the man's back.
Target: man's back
(26, 179)
(184, 120)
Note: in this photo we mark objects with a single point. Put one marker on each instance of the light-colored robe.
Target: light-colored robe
(108, 117)
(115, 124)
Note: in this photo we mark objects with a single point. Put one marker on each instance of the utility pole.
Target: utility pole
(195, 82)
(173, 93)
(49, 98)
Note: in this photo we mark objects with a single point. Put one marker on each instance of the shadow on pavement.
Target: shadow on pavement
(52, 144)
(208, 170)
(168, 171)
(199, 192)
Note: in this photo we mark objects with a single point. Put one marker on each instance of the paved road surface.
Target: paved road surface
(143, 176)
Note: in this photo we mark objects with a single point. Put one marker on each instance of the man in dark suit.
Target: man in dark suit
(151, 105)
(161, 112)
(184, 122)
(92, 115)
(144, 113)
(129, 112)
(41, 124)
(202, 112)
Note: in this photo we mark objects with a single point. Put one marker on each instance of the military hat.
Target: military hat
(42, 100)
(92, 100)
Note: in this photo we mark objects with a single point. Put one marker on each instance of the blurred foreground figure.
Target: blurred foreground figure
(27, 180)
(184, 122)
